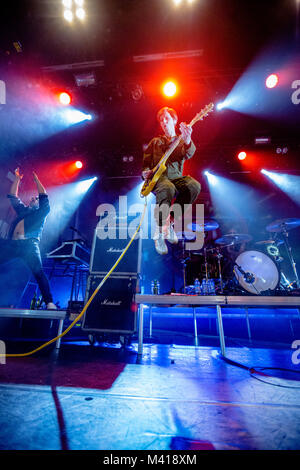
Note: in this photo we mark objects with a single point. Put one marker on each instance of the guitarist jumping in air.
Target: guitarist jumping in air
(171, 183)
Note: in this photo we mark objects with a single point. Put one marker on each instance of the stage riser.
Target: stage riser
(272, 325)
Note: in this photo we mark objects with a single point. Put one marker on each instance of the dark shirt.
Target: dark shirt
(158, 147)
(34, 217)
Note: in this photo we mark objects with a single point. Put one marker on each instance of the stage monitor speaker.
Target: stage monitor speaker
(113, 310)
(106, 252)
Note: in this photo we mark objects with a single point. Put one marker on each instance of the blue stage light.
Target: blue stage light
(74, 116)
(221, 105)
(212, 179)
(83, 186)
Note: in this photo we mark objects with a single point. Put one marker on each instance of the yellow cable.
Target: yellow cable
(90, 299)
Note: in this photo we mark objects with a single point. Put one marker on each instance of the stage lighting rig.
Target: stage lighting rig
(180, 2)
(170, 89)
(262, 140)
(272, 80)
(78, 164)
(85, 79)
(137, 92)
(64, 98)
(281, 150)
(74, 9)
(242, 155)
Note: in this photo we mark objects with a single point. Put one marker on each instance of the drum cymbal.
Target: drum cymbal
(208, 226)
(195, 227)
(265, 242)
(186, 235)
(233, 239)
(283, 224)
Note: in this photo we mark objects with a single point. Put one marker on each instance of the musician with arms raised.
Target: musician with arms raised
(172, 183)
(25, 232)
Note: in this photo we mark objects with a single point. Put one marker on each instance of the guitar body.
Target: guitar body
(149, 185)
(160, 168)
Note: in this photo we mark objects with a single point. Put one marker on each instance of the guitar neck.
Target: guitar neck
(174, 144)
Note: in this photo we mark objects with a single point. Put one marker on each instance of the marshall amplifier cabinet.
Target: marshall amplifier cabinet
(113, 309)
(105, 253)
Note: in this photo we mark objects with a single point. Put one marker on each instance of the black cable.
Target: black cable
(254, 369)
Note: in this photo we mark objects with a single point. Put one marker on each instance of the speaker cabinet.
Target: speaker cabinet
(113, 310)
(106, 252)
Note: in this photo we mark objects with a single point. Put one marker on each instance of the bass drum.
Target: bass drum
(260, 273)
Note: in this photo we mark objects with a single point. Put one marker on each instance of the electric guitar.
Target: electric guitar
(159, 169)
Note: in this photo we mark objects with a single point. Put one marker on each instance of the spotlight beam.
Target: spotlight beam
(289, 184)
(212, 179)
(65, 200)
(232, 200)
(74, 116)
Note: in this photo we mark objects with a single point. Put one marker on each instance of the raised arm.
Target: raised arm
(44, 207)
(15, 185)
(40, 187)
(18, 205)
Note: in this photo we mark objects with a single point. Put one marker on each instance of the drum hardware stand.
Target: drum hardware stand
(205, 263)
(219, 256)
(184, 264)
(290, 255)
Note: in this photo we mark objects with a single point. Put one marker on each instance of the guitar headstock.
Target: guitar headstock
(203, 113)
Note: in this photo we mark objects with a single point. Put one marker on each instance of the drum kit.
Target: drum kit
(256, 271)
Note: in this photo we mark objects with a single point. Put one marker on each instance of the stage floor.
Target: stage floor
(179, 397)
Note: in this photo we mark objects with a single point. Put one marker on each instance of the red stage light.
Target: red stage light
(169, 89)
(64, 98)
(242, 155)
(78, 164)
(272, 80)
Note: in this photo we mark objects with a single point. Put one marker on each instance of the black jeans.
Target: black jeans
(29, 251)
(186, 189)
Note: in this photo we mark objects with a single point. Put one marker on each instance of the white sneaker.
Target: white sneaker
(170, 234)
(159, 242)
(51, 306)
